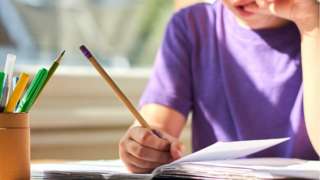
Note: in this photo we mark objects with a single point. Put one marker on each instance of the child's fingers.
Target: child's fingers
(147, 138)
(176, 150)
(146, 154)
(140, 163)
(176, 147)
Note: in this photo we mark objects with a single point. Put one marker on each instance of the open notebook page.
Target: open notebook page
(230, 150)
(275, 166)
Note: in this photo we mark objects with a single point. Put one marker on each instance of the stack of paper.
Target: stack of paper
(276, 166)
(261, 168)
(113, 169)
(219, 161)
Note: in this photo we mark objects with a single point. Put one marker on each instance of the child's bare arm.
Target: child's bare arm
(310, 49)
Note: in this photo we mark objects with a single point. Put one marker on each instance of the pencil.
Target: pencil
(18, 92)
(51, 71)
(121, 96)
(54, 66)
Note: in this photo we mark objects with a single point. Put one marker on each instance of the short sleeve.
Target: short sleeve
(170, 83)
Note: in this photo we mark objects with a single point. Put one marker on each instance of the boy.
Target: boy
(237, 65)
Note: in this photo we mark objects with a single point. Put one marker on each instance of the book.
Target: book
(220, 160)
(253, 168)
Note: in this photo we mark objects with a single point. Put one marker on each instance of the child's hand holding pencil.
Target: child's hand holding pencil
(143, 148)
(142, 151)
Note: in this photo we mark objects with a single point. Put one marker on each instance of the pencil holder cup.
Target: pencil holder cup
(14, 146)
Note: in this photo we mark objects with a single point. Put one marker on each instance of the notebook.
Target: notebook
(220, 160)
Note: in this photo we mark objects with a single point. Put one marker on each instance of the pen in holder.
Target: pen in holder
(14, 146)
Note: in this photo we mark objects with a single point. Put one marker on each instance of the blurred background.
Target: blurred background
(77, 116)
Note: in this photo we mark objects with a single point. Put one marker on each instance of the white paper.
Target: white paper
(230, 150)
(111, 165)
(275, 166)
(108, 169)
(82, 166)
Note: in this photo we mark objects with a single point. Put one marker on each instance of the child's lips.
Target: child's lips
(242, 11)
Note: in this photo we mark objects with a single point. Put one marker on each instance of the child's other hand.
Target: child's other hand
(142, 151)
(303, 12)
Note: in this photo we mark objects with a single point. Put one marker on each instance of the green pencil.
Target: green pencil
(52, 69)
(33, 91)
(54, 66)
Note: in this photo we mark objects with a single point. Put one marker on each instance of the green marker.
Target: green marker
(2, 80)
(33, 91)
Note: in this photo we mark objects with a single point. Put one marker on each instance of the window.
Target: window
(121, 33)
(76, 109)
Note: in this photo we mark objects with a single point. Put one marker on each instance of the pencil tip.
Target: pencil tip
(85, 51)
(63, 52)
(60, 56)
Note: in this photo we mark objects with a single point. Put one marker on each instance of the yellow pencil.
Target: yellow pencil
(18, 92)
(122, 97)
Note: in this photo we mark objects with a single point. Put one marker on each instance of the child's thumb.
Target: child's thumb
(176, 150)
(176, 147)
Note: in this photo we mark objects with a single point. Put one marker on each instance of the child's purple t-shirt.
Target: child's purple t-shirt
(238, 83)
